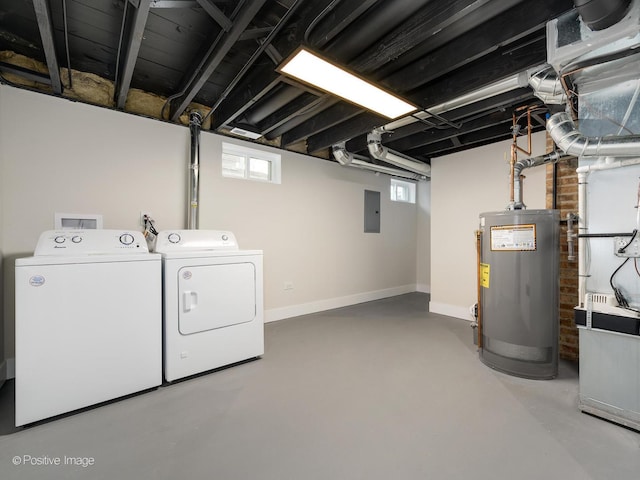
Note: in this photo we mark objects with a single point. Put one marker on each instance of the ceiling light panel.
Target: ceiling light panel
(310, 68)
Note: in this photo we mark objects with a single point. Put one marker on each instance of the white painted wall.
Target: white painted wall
(423, 256)
(464, 185)
(61, 156)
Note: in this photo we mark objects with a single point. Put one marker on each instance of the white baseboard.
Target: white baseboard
(423, 288)
(456, 311)
(274, 314)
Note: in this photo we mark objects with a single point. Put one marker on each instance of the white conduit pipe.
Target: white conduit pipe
(346, 158)
(380, 152)
(571, 141)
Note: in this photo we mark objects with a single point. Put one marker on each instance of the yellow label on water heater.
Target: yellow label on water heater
(485, 273)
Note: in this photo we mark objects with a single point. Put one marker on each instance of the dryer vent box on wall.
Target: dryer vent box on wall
(77, 221)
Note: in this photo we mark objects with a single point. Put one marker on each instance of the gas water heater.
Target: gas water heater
(519, 254)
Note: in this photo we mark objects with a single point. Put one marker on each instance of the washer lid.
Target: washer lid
(90, 242)
(169, 241)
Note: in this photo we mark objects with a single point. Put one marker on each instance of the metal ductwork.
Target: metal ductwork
(346, 158)
(195, 122)
(547, 86)
(380, 152)
(524, 163)
(601, 14)
(567, 137)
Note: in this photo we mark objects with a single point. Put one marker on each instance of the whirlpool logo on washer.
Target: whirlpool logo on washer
(186, 275)
(36, 281)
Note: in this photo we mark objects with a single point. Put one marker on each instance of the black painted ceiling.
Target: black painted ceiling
(223, 54)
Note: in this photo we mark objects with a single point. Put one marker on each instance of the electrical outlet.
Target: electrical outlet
(288, 285)
(631, 251)
(142, 215)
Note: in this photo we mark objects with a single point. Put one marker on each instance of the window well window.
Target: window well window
(249, 163)
(402, 191)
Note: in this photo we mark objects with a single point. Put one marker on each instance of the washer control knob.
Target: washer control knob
(126, 239)
(225, 237)
(173, 238)
(76, 239)
(59, 239)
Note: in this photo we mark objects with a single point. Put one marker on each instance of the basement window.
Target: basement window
(250, 164)
(402, 191)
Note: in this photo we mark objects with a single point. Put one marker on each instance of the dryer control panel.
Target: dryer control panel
(195, 240)
(90, 242)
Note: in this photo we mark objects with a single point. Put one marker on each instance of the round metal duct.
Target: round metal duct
(601, 14)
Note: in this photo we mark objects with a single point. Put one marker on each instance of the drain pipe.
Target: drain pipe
(346, 158)
(567, 137)
(195, 122)
(380, 152)
(520, 165)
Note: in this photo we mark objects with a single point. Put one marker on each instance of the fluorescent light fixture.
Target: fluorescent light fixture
(310, 68)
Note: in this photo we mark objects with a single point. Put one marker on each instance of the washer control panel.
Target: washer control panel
(195, 240)
(90, 242)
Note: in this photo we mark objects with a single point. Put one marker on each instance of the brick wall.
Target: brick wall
(567, 202)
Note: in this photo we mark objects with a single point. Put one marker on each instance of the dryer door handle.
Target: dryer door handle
(189, 300)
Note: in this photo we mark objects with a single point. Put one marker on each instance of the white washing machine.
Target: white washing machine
(88, 321)
(213, 301)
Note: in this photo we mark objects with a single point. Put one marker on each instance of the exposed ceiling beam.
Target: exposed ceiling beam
(136, 35)
(435, 135)
(501, 30)
(500, 64)
(299, 117)
(343, 131)
(228, 40)
(338, 20)
(430, 20)
(172, 3)
(214, 12)
(265, 77)
(45, 25)
(25, 73)
(502, 101)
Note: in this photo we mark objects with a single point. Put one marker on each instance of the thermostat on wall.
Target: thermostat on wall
(64, 221)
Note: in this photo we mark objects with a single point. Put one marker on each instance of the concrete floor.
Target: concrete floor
(382, 390)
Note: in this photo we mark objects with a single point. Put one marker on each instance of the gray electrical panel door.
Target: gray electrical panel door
(371, 211)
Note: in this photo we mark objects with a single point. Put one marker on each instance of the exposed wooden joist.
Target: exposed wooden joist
(45, 24)
(502, 30)
(264, 77)
(499, 65)
(502, 101)
(25, 73)
(173, 3)
(428, 22)
(357, 125)
(228, 40)
(293, 126)
(214, 12)
(434, 135)
(136, 34)
(299, 110)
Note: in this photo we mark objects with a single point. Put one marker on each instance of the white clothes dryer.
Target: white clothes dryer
(88, 321)
(213, 301)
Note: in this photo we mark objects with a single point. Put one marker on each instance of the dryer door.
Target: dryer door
(215, 296)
